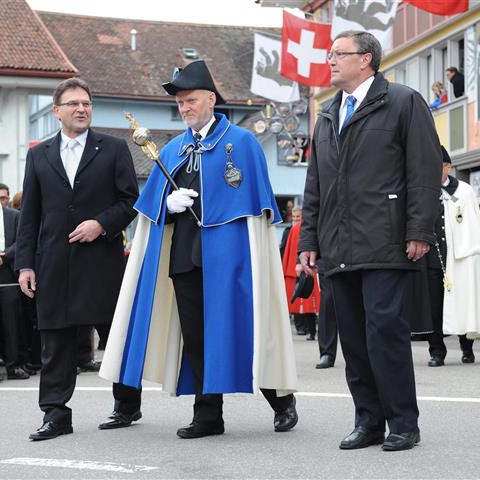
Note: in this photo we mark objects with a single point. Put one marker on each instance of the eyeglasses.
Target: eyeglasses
(342, 55)
(76, 104)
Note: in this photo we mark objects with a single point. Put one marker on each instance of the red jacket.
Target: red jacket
(301, 305)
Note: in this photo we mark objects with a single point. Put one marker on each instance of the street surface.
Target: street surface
(449, 401)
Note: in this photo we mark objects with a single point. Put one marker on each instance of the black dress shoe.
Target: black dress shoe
(362, 437)
(286, 419)
(198, 430)
(17, 373)
(468, 358)
(120, 420)
(326, 361)
(436, 362)
(90, 366)
(401, 441)
(311, 337)
(50, 430)
(30, 372)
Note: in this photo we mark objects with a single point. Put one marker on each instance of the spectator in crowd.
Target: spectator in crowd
(370, 203)
(453, 268)
(4, 195)
(9, 291)
(457, 80)
(293, 215)
(440, 95)
(304, 310)
(28, 320)
(17, 201)
(78, 194)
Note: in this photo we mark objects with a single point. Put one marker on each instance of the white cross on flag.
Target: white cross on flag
(304, 51)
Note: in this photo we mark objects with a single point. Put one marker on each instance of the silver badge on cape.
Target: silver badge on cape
(233, 175)
(459, 215)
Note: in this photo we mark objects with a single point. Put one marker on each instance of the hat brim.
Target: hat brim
(303, 287)
(172, 89)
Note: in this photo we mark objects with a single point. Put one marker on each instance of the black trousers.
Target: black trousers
(305, 322)
(375, 340)
(189, 294)
(436, 345)
(85, 350)
(60, 357)
(9, 324)
(59, 373)
(327, 322)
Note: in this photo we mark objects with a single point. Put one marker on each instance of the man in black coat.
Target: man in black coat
(370, 203)
(9, 295)
(78, 193)
(457, 80)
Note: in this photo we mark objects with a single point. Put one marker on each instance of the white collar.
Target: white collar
(204, 130)
(81, 139)
(360, 92)
(446, 183)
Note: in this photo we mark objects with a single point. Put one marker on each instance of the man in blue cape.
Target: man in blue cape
(202, 309)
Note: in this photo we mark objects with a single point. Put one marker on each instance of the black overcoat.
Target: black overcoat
(77, 284)
(10, 225)
(374, 186)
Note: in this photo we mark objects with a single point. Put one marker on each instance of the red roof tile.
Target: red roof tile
(27, 45)
(101, 49)
(143, 165)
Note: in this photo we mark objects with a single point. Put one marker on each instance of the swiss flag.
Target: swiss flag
(441, 7)
(304, 51)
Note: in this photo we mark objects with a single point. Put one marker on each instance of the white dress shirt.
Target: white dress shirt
(204, 130)
(78, 150)
(359, 93)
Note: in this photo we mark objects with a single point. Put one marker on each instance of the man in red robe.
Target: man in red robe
(304, 310)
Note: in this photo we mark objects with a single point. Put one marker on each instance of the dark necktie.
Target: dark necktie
(194, 163)
(197, 137)
(350, 102)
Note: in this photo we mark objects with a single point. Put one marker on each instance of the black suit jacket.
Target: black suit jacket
(10, 224)
(186, 252)
(77, 284)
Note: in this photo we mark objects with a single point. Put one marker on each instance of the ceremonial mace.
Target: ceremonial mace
(143, 138)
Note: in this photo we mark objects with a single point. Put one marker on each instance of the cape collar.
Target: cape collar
(209, 142)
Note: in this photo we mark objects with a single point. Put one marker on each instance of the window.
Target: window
(43, 123)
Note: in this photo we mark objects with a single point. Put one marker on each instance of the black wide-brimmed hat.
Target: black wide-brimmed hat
(195, 76)
(303, 287)
(446, 156)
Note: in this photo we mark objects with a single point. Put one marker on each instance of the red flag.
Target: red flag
(304, 51)
(441, 7)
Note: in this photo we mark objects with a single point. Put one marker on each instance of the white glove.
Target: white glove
(179, 200)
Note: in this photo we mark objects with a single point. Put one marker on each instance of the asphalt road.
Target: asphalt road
(449, 401)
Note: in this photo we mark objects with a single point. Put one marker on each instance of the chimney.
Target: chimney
(133, 38)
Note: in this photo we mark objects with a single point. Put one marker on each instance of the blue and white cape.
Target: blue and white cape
(247, 335)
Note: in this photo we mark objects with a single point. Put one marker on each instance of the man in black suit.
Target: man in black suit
(371, 198)
(78, 194)
(9, 295)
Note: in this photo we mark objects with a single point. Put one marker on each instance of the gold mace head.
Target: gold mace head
(141, 136)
